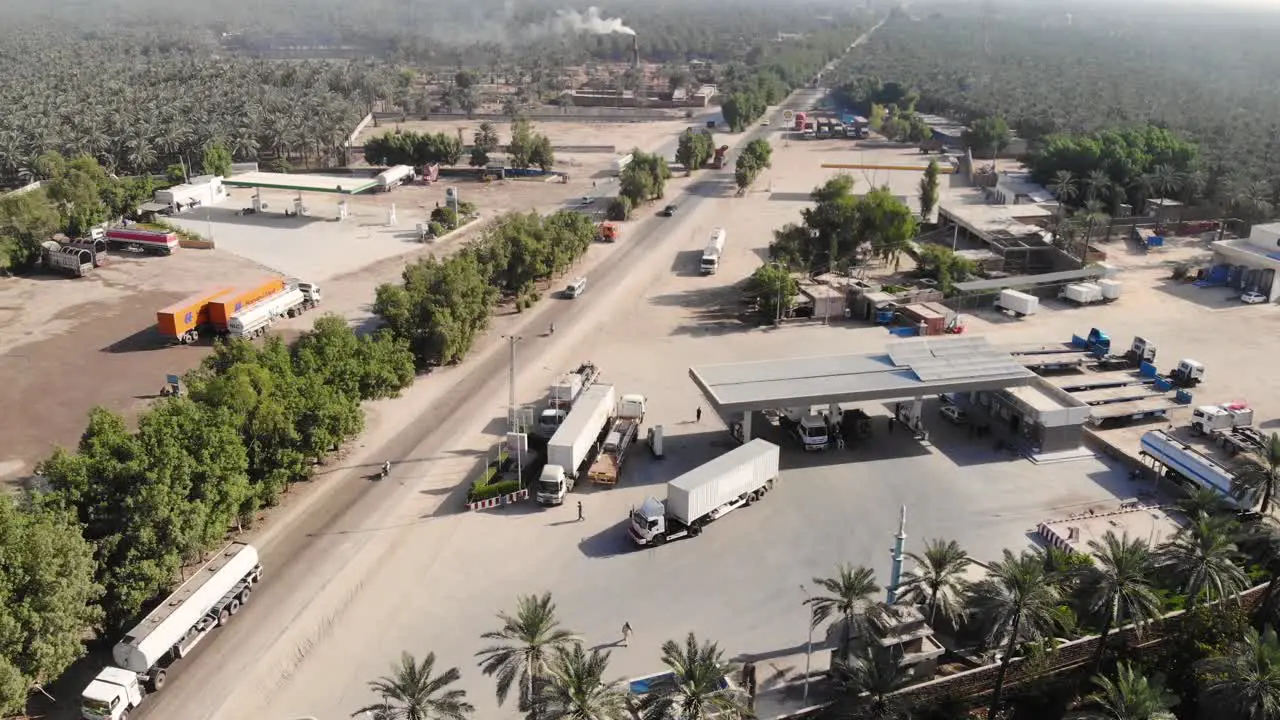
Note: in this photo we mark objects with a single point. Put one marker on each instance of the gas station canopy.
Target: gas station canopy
(348, 185)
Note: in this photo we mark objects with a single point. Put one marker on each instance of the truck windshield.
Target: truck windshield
(550, 487)
(96, 708)
(640, 521)
(816, 432)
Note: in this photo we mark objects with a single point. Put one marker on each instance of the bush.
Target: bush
(489, 491)
(437, 229)
(445, 216)
(619, 208)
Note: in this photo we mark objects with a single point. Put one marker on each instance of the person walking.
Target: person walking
(626, 634)
(580, 518)
(698, 414)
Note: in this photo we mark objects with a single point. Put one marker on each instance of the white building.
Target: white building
(1257, 258)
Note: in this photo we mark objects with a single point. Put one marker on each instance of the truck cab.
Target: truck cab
(553, 485)
(112, 694)
(649, 523)
(310, 291)
(809, 428)
(550, 420)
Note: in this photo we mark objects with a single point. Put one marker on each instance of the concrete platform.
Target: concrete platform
(1152, 524)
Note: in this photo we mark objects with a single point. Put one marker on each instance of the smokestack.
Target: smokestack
(635, 52)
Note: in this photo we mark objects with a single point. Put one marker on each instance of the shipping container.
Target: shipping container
(222, 308)
(180, 320)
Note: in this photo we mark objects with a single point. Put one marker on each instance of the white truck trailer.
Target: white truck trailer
(394, 176)
(258, 318)
(622, 162)
(706, 493)
(206, 601)
(562, 394)
(1018, 303)
(1185, 461)
(607, 467)
(571, 446)
(73, 261)
(711, 254)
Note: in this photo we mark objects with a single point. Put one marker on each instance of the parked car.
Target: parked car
(954, 414)
(1253, 297)
(670, 210)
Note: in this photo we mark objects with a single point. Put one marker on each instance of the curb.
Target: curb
(507, 499)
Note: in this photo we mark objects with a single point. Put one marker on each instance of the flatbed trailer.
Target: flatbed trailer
(1039, 349)
(1124, 393)
(1098, 380)
(1051, 362)
(1241, 439)
(1124, 412)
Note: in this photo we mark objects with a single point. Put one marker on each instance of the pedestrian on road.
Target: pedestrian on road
(580, 518)
(626, 633)
(698, 414)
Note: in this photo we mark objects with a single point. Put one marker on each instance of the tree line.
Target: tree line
(117, 518)
(754, 159)
(441, 306)
(843, 230)
(398, 147)
(76, 194)
(643, 180)
(1016, 606)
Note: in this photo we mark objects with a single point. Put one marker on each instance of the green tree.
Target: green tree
(644, 178)
(988, 135)
(938, 580)
(773, 287)
(528, 148)
(486, 138)
(440, 309)
(693, 690)
(886, 223)
(619, 208)
(527, 643)
(1166, 180)
(26, 220)
(217, 160)
(1017, 601)
(479, 158)
(929, 190)
(1245, 681)
(576, 689)
(1256, 475)
(1131, 696)
(47, 598)
(1202, 559)
(945, 266)
(1119, 586)
(866, 681)
(848, 595)
(414, 692)
(690, 151)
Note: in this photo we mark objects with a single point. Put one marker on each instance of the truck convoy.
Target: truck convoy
(66, 259)
(606, 469)
(711, 254)
(143, 657)
(571, 445)
(563, 394)
(241, 311)
(143, 238)
(706, 493)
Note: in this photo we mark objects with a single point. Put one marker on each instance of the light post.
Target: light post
(511, 391)
(808, 649)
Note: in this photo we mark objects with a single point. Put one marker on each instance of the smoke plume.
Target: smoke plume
(592, 22)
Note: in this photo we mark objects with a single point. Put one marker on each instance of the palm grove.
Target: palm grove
(1215, 660)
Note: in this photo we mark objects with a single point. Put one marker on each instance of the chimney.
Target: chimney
(635, 51)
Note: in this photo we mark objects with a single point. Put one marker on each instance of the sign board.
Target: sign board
(172, 379)
(788, 116)
(848, 119)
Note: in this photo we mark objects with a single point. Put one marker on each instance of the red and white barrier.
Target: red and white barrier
(500, 500)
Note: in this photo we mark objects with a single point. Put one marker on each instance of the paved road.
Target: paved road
(304, 557)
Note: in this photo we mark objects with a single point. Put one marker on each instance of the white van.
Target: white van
(576, 288)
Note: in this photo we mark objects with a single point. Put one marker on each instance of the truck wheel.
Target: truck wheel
(157, 681)
(695, 531)
(223, 617)
(234, 606)
(244, 596)
(659, 540)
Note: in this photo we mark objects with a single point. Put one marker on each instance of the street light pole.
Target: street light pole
(511, 391)
(808, 650)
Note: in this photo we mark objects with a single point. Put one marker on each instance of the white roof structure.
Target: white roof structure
(348, 185)
(911, 368)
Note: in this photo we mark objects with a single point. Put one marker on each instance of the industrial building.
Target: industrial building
(1013, 232)
(1043, 418)
(1251, 263)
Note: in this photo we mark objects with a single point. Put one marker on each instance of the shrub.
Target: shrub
(437, 230)
(619, 208)
(492, 490)
(445, 216)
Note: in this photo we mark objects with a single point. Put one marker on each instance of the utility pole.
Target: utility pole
(511, 392)
(899, 547)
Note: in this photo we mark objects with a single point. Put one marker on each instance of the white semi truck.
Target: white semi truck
(571, 446)
(706, 493)
(1185, 461)
(394, 176)
(711, 254)
(258, 318)
(562, 394)
(606, 469)
(206, 601)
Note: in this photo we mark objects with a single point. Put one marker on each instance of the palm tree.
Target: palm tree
(412, 693)
(1017, 601)
(1131, 696)
(1097, 184)
(1166, 180)
(1119, 585)
(938, 580)
(695, 687)
(1202, 557)
(848, 596)
(575, 688)
(1063, 187)
(1092, 214)
(1257, 474)
(865, 681)
(1201, 502)
(1247, 679)
(528, 640)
